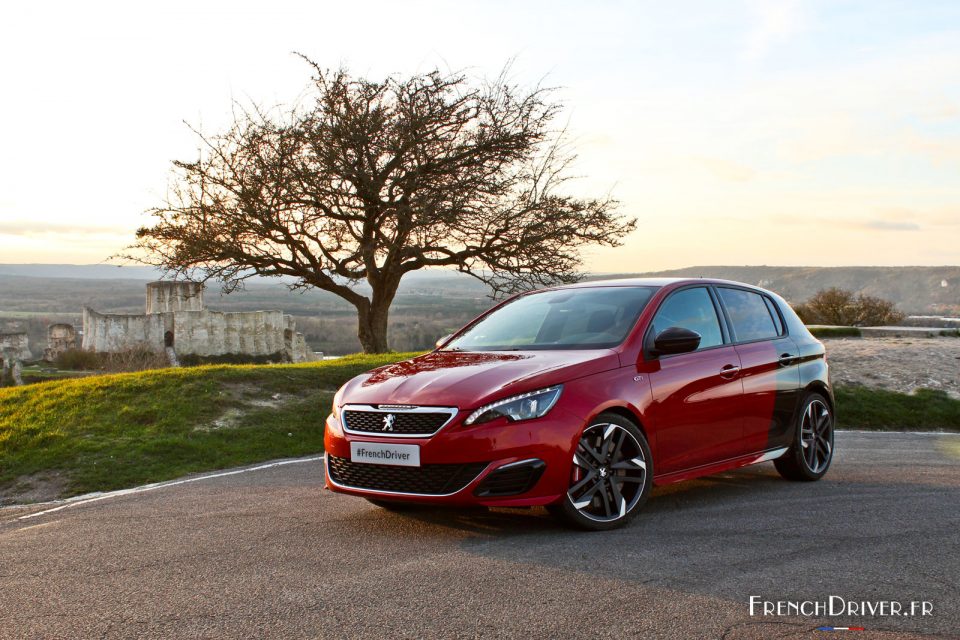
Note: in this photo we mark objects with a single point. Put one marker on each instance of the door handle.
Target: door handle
(786, 359)
(729, 371)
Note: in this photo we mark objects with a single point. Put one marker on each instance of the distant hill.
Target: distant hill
(83, 271)
(66, 288)
(915, 290)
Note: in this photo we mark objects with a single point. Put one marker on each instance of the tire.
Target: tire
(814, 428)
(610, 477)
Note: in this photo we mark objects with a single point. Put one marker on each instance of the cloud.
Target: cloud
(887, 225)
(36, 228)
(776, 23)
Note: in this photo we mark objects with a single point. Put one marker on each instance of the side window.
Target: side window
(772, 307)
(749, 315)
(690, 309)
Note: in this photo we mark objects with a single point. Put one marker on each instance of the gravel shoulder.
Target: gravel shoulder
(896, 364)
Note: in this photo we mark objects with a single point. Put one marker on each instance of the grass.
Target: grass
(113, 431)
(880, 410)
(835, 332)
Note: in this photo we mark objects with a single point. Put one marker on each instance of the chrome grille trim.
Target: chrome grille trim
(398, 410)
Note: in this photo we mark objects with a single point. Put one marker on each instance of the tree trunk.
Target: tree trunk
(372, 328)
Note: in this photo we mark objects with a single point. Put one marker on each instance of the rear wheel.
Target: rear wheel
(812, 451)
(611, 475)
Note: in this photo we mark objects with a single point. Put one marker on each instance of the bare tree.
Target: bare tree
(368, 181)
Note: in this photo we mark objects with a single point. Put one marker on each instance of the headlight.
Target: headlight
(525, 406)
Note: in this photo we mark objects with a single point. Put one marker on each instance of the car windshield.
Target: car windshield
(577, 318)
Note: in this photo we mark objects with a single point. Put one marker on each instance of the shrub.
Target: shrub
(835, 332)
(77, 360)
(132, 359)
(841, 307)
(193, 360)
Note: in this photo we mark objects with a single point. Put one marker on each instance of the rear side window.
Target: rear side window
(749, 315)
(775, 315)
(690, 309)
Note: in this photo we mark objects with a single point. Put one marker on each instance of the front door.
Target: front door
(696, 409)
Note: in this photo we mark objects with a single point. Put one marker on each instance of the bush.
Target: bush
(133, 359)
(837, 306)
(835, 332)
(193, 360)
(77, 360)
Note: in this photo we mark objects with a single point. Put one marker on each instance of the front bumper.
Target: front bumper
(487, 456)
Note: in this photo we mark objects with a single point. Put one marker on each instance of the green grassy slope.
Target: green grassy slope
(880, 410)
(109, 432)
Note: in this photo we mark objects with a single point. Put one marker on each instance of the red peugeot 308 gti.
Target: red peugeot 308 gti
(580, 398)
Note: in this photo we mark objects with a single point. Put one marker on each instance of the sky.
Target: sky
(779, 133)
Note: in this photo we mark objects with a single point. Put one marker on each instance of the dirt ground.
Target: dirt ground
(896, 364)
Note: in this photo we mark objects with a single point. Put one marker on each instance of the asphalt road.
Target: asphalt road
(267, 553)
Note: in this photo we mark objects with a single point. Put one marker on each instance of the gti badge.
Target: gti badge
(388, 421)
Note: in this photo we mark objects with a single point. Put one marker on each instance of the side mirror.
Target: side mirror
(442, 341)
(676, 340)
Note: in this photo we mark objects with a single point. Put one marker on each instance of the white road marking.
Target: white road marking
(910, 433)
(96, 497)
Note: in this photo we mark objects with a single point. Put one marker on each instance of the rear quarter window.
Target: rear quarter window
(749, 314)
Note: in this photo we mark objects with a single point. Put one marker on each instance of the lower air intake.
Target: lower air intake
(429, 479)
(511, 479)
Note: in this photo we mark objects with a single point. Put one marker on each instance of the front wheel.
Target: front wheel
(811, 453)
(611, 475)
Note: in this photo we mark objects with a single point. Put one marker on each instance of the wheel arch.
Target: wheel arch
(819, 386)
(627, 413)
(623, 412)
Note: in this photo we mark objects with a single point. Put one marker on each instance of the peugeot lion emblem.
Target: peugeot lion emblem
(388, 421)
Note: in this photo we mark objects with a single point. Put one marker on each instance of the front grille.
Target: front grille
(413, 423)
(511, 480)
(435, 479)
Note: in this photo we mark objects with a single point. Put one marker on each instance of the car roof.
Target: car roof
(653, 282)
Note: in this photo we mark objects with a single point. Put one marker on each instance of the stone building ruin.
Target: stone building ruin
(60, 337)
(14, 349)
(176, 321)
(15, 345)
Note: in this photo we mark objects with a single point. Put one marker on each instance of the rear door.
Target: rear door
(697, 395)
(770, 371)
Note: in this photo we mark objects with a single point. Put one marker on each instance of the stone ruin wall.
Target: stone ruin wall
(212, 333)
(60, 338)
(110, 332)
(201, 333)
(15, 344)
(174, 296)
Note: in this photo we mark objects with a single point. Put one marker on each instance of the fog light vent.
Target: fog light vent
(511, 479)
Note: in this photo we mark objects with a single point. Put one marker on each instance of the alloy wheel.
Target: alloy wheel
(609, 473)
(816, 436)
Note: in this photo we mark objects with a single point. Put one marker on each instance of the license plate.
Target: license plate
(401, 455)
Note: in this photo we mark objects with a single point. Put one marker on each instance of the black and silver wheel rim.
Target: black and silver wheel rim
(609, 473)
(816, 436)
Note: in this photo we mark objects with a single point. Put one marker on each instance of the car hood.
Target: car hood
(470, 379)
